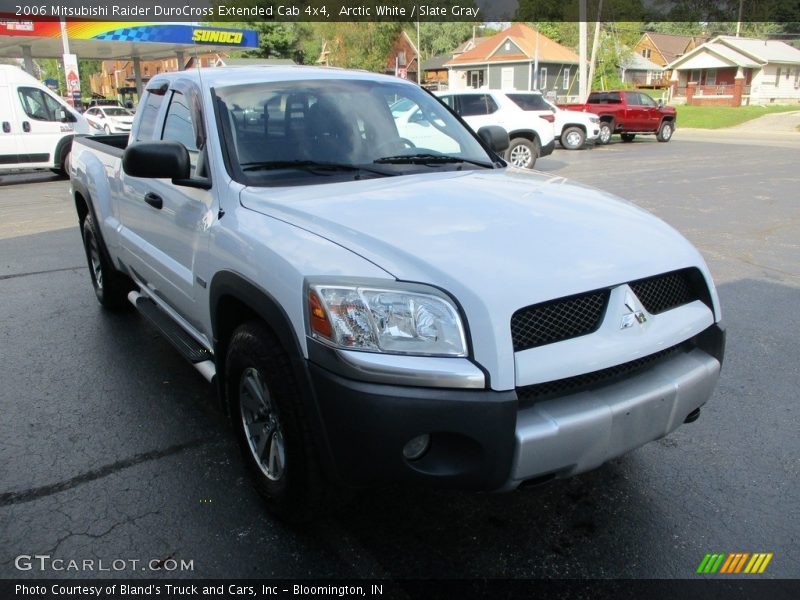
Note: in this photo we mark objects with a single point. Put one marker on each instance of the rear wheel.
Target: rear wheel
(267, 414)
(523, 153)
(110, 286)
(573, 138)
(606, 131)
(628, 137)
(665, 131)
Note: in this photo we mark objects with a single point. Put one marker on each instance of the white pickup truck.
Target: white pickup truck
(375, 310)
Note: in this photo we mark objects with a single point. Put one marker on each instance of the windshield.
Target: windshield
(290, 130)
(117, 112)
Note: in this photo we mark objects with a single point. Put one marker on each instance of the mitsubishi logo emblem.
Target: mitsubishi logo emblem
(636, 314)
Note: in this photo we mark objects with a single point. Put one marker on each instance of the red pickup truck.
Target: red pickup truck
(628, 113)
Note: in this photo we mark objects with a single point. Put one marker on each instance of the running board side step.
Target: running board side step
(189, 348)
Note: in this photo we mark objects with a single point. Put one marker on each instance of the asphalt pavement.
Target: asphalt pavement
(111, 446)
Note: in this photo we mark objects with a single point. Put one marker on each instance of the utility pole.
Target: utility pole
(595, 44)
(582, 50)
(739, 22)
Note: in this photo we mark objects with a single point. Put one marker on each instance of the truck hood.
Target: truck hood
(497, 240)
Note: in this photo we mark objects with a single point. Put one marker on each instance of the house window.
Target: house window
(401, 57)
(711, 77)
(475, 79)
(565, 83)
(646, 52)
(543, 78)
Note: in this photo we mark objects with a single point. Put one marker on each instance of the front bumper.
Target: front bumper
(483, 440)
(568, 435)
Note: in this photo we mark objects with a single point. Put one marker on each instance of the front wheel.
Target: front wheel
(573, 138)
(665, 131)
(522, 153)
(606, 131)
(267, 414)
(63, 170)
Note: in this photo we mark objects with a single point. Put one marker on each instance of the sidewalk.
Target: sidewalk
(777, 129)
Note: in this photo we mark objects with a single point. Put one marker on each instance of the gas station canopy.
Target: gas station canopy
(101, 40)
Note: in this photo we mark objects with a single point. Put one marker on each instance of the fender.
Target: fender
(79, 188)
(235, 285)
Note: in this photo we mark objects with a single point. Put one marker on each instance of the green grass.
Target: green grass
(719, 117)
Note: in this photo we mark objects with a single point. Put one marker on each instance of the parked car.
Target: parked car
(531, 137)
(104, 102)
(573, 129)
(111, 119)
(412, 124)
(36, 126)
(629, 113)
(372, 310)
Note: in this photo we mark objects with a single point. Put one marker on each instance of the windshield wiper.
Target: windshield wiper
(312, 166)
(428, 159)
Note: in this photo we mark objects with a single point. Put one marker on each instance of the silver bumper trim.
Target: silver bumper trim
(423, 371)
(575, 433)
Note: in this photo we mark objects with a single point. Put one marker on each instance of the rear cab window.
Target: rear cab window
(529, 101)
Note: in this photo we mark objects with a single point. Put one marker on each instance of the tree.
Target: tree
(280, 40)
(439, 37)
(363, 45)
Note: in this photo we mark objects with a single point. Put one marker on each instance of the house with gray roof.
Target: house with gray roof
(769, 71)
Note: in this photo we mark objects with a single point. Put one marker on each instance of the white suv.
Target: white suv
(531, 136)
(571, 127)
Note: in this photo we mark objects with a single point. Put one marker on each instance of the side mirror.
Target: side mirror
(157, 160)
(62, 115)
(660, 103)
(495, 137)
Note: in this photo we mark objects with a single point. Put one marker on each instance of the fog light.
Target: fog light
(417, 447)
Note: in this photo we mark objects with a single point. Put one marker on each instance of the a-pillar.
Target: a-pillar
(27, 57)
(137, 75)
(738, 88)
(691, 88)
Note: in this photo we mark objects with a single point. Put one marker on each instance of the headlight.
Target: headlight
(594, 119)
(394, 321)
(94, 125)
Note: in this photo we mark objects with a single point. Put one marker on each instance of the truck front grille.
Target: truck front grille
(558, 320)
(663, 292)
(574, 316)
(530, 394)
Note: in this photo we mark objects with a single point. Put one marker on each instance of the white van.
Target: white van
(36, 126)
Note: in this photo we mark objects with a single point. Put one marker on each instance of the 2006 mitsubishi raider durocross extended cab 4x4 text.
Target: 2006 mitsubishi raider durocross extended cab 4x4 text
(376, 308)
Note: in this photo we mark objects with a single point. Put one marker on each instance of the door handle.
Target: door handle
(26, 127)
(153, 200)
(6, 127)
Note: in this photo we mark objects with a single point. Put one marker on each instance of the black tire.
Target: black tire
(628, 137)
(572, 138)
(606, 131)
(63, 170)
(523, 153)
(274, 423)
(665, 131)
(110, 286)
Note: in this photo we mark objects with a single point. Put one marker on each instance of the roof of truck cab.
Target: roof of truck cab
(226, 76)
